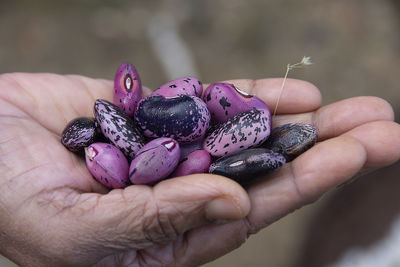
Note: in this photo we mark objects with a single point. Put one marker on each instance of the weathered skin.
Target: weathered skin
(107, 164)
(248, 165)
(117, 127)
(155, 161)
(78, 134)
(183, 86)
(292, 139)
(184, 118)
(198, 161)
(127, 88)
(224, 101)
(245, 130)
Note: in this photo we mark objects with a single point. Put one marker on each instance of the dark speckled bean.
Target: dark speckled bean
(196, 162)
(107, 165)
(245, 130)
(186, 149)
(155, 161)
(183, 86)
(292, 139)
(118, 127)
(248, 165)
(184, 118)
(78, 134)
(224, 100)
(127, 88)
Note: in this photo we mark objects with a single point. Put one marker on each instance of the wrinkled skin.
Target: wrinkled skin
(54, 214)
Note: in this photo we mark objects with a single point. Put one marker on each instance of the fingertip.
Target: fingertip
(381, 107)
(342, 116)
(297, 95)
(327, 165)
(381, 140)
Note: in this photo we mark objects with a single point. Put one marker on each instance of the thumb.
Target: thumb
(142, 216)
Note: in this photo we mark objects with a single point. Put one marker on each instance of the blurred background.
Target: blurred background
(355, 48)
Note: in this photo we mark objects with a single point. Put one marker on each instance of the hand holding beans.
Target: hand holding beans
(54, 213)
(239, 121)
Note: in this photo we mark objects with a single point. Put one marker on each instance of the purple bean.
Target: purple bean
(118, 127)
(245, 130)
(184, 118)
(107, 164)
(186, 149)
(248, 165)
(196, 162)
(224, 101)
(292, 139)
(155, 161)
(127, 88)
(183, 86)
(78, 134)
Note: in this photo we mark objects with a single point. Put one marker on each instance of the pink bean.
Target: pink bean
(224, 101)
(198, 161)
(127, 88)
(155, 161)
(107, 164)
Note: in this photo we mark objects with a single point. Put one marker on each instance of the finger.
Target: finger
(304, 180)
(141, 216)
(337, 118)
(325, 166)
(298, 96)
(381, 140)
(53, 100)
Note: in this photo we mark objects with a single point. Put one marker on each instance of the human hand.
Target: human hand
(54, 213)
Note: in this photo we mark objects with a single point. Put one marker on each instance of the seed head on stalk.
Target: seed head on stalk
(305, 61)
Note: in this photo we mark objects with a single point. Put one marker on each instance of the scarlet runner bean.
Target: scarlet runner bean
(118, 128)
(184, 118)
(127, 88)
(155, 161)
(224, 100)
(107, 164)
(183, 86)
(248, 165)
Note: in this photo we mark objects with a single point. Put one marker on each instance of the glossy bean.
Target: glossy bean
(246, 130)
(127, 88)
(184, 118)
(118, 128)
(248, 165)
(224, 100)
(155, 161)
(292, 139)
(186, 149)
(107, 164)
(78, 134)
(198, 161)
(183, 86)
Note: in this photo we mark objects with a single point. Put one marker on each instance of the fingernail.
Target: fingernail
(223, 210)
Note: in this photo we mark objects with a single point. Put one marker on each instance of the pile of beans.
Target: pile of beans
(180, 130)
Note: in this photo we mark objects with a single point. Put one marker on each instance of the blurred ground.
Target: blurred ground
(354, 44)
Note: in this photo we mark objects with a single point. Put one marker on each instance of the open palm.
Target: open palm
(54, 213)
